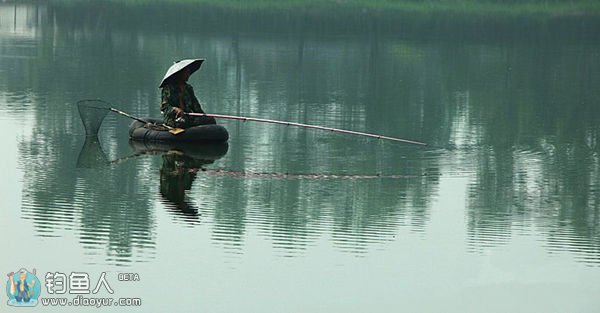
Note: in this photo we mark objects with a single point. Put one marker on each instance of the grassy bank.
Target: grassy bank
(537, 8)
(445, 20)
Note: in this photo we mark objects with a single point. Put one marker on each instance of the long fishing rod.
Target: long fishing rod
(337, 130)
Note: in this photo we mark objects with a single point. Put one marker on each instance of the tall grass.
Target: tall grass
(469, 7)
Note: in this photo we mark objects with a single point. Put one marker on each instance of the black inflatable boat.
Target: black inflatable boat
(203, 133)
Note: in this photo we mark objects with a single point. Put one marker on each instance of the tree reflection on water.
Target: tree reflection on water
(518, 118)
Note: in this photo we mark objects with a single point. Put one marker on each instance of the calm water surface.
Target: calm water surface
(500, 213)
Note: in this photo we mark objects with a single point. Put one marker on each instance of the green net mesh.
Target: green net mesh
(92, 114)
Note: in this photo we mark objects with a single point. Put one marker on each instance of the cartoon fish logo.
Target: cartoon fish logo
(23, 288)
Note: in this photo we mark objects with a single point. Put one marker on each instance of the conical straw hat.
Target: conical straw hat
(192, 64)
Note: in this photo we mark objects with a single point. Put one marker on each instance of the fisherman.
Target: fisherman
(177, 96)
(21, 289)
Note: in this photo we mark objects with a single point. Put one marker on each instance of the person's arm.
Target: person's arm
(166, 106)
(196, 107)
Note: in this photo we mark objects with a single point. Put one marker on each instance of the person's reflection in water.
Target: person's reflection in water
(176, 177)
(177, 174)
(180, 165)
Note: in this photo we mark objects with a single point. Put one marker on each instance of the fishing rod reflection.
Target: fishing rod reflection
(292, 208)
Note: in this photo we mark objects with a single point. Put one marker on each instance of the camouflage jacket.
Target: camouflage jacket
(171, 97)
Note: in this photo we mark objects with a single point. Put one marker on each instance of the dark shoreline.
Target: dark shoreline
(205, 18)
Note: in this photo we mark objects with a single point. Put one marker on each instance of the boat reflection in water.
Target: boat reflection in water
(180, 166)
